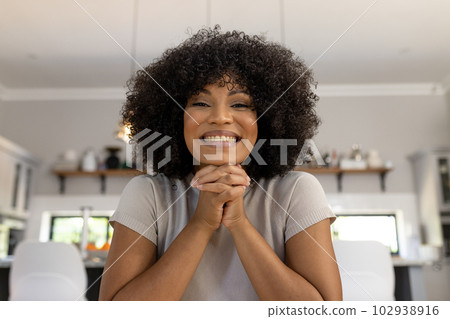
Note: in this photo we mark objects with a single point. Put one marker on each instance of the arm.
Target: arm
(135, 275)
(310, 253)
(309, 272)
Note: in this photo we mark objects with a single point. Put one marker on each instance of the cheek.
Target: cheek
(190, 129)
(251, 129)
(187, 129)
(255, 131)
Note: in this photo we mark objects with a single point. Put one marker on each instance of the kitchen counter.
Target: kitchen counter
(401, 262)
(5, 262)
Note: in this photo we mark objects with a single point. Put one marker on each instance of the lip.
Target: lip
(221, 133)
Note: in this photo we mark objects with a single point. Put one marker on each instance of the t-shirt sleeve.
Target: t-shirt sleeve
(136, 209)
(308, 205)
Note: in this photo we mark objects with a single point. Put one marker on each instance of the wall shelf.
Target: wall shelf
(102, 174)
(339, 172)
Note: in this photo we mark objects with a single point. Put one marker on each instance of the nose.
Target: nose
(220, 114)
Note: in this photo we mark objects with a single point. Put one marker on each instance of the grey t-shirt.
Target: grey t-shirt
(278, 208)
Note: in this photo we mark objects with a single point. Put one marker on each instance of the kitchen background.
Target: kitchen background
(385, 84)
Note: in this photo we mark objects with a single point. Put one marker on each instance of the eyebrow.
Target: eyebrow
(237, 92)
(229, 94)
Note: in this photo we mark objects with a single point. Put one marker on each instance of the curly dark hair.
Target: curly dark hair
(271, 73)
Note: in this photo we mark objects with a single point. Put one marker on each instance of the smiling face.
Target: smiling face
(225, 119)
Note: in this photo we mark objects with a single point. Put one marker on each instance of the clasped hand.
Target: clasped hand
(221, 195)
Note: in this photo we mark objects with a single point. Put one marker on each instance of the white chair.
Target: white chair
(47, 271)
(366, 269)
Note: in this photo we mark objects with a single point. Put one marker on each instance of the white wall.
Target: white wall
(396, 126)
(48, 128)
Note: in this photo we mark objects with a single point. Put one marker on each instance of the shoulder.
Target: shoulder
(155, 187)
(306, 186)
(299, 189)
(140, 200)
(294, 188)
(304, 182)
(145, 182)
(294, 181)
(145, 188)
(307, 204)
(295, 177)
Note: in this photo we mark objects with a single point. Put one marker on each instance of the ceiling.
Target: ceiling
(56, 44)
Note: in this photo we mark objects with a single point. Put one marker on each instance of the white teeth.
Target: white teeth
(220, 139)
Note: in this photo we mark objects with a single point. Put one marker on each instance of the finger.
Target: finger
(220, 176)
(211, 177)
(221, 172)
(238, 170)
(231, 194)
(202, 172)
(233, 169)
(214, 187)
(233, 180)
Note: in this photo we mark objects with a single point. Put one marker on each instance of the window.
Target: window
(69, 229)
(378, 227)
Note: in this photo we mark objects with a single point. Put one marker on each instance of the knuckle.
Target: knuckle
(225, 194)
(223, 174)
(228, 178)
(233, 192)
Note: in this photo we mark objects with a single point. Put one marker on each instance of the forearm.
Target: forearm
(270, 277)
(169, 277)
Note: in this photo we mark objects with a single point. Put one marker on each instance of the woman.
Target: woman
(219, 222)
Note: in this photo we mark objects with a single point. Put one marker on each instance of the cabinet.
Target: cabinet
(432, 181)
(6, 180)
(17, 170)
(431, 176)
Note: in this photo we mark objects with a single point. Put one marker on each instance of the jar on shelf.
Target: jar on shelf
(112, 161)
(89, 161)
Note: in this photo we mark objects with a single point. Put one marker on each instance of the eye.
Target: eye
(240, 105)
(200, 104)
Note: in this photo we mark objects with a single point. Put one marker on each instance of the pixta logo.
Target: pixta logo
(140, 144)
(308, 152)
